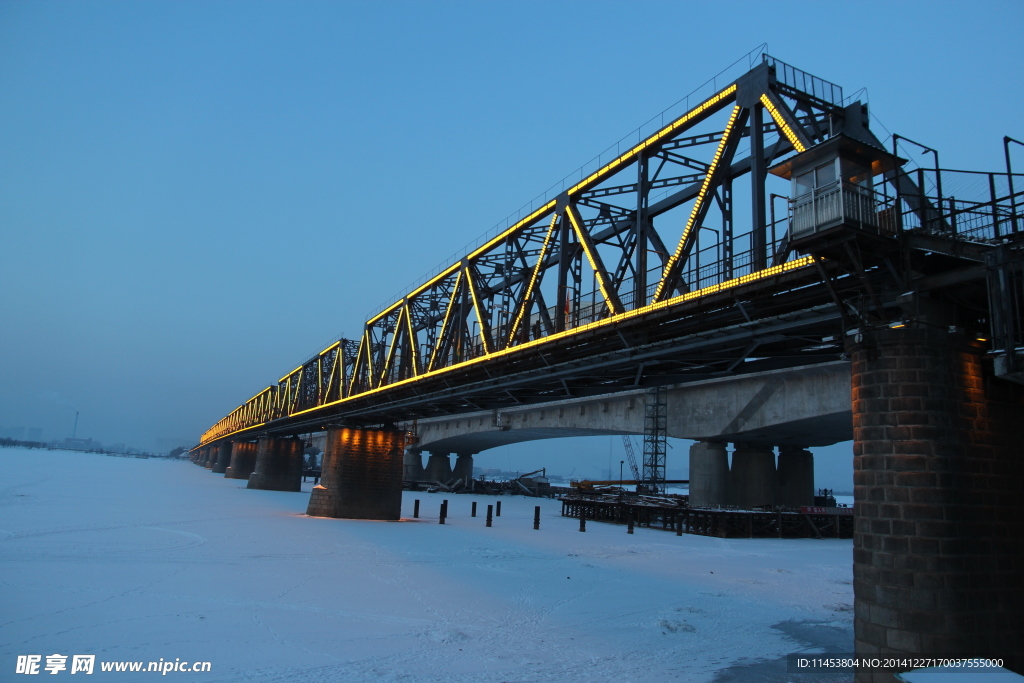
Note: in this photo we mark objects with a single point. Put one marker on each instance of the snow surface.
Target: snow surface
(133, 559)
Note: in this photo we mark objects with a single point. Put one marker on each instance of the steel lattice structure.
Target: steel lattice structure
(634, 275)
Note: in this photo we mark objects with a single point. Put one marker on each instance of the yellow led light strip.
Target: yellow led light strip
(593, 257)
(476, 307)
(203, 441)
(355, 366)
(444, 323)
(368, 359)
(286, 376)
(452, 268)
(780, 121)
(437, 278)
(413, 341)
(338, 359)
(525, 303)
(394, 345)
(695, 211)
(657, 137)
(296, 390)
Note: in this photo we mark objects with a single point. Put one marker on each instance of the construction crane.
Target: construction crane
(628, 443)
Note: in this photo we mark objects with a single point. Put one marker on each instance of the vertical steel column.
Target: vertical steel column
(563, 273)
(642, 219)
(727, 229)
(461, 332)
(758, 174)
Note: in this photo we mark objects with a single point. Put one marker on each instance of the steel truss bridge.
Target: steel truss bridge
(639, 274)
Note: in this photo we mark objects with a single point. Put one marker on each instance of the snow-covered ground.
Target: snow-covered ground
(138, 560)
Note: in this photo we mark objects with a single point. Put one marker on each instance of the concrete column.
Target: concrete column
(362, 475)
(439, 468)
(278, 465)
(463, 467)
(223, 458)
(796, 476)
(753, 475)
(709, 474)
(243, 460)
(938, 545)
(412, 466)
(211, 457)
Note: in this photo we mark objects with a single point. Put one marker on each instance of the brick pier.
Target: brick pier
(362, 475)
(243, 460)
(938, 475)
(278, 465)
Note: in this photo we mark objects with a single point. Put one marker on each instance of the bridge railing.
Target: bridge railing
(807, 83)
(983, 210)
(969, 205)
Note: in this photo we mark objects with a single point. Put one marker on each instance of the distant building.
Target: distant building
(80, 444)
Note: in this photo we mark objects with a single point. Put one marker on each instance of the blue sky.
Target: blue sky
(196, 196)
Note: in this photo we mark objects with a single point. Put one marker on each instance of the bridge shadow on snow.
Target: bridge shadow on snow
(812, 637)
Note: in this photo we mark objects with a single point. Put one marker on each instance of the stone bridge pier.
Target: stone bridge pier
(278, 465)
(361, 475)
(938, 475)
(223, 458)
(243, 460)
(754, 480)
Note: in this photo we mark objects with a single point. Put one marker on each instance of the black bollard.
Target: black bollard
(473, 511)
(536, 517)
(583, 521)
(629, 522)
(679, 525)
(490, 509)
(416, 509)
(444, 512)
(497, 510)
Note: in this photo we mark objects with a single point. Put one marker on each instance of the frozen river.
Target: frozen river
(143, 560)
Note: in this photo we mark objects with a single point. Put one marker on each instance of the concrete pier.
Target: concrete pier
(278, 465)
(211, 457)
(796, 476)
(362, 475)
(243, 460)
(753, 475)
(412, 466)
(463, 467)
(939, 537)
(223, 458)
(709, 474)
(439, 468)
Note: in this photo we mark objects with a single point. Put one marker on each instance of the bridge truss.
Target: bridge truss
(636, 275)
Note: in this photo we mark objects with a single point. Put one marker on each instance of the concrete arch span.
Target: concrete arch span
(794, 408)
(802, 406)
